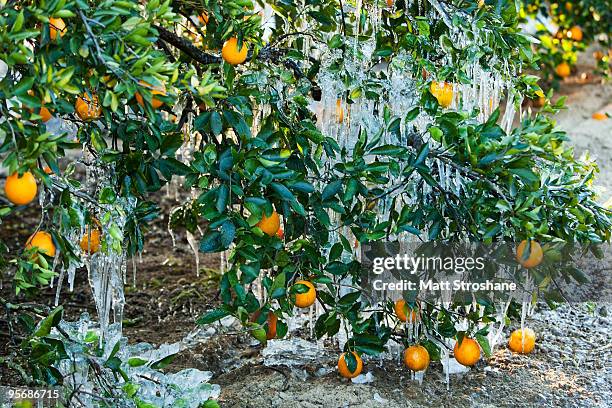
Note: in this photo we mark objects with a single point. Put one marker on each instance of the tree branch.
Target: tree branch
(266, 53)
(186, 46)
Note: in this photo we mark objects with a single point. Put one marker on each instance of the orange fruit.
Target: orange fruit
(270, 225)
(203, 18)
(47, 170)
(535, 254)
(280, 233)
(90, 242)
(20, 190)
(598, 55)
(389, 3)
(45, 114)
(416, 357)
(563, 70)
(339, 111)
(468, 353)
(88, 107)
(56, 25)
(155, 90)
(401, 309)
(231, 54)
(43, 242)
(599, 116)
(308, 298)
(518, 345)
(575, 33)
(272, 320)
(539, 102)
(443, 91)
(343, 366)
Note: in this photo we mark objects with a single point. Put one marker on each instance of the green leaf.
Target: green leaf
(211, 242)
(23, 85)
(349, 299)
(336, 251)
(222, 198)
(302, 187)
(484, 344)
(113, 363)
(260, 334)
(18, 24)
(250, 272)
(49, 322)
(216, 125)
(164, 362)
(351, 362)
(136, 362)
(212, 316)
(423, 153)
(228, 233)
(388, 150)
(335, 41)
(170, 166)
(331, 189)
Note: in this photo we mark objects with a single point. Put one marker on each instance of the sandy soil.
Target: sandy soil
(586, 133)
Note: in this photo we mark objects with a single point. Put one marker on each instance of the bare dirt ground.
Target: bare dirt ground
(571, 366)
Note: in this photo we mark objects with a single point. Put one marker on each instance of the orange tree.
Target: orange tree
(579, 24)
(343, 121)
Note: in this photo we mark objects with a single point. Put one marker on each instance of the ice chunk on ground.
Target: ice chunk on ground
(380, 399)
(363, 378)
(294, 352)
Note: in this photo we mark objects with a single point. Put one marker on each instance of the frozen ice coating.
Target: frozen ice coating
(85, 372)
(294, 352)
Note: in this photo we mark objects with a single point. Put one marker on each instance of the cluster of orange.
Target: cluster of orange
(87, 106)
(575, 33)
(467, 352)
(230, 51)
(271, 226)
(416, 357)
(21, 190)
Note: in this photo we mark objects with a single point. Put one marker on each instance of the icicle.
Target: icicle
(71, 276)
(55, 262)
(193, 243)
(133, 273)
(446, 356)
(60, 280)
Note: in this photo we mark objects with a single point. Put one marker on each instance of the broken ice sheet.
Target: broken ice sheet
(188, 388)
(294, 352)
